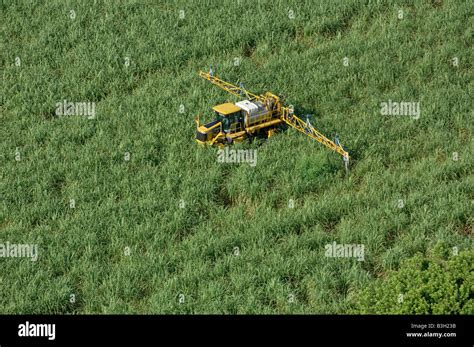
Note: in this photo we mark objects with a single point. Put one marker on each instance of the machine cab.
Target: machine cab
(228, 119)
(230, 116)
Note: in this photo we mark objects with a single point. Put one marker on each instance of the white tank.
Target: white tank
(254, 111)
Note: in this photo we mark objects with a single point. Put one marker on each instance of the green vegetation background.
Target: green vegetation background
(191, 251)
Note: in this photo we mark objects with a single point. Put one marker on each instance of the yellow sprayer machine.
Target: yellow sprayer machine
(256, 115)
